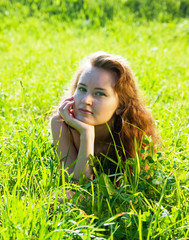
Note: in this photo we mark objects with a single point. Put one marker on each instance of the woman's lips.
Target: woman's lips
(82, 110)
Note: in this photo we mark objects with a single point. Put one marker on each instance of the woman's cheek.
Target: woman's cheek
(75, 107)
(75, 96)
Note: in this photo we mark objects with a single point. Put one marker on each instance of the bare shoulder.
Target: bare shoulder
(63, 140)
(58, 122)
(56, 119)
(59, 127)
(76, 138)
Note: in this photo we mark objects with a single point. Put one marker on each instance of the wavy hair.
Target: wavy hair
(138, 120)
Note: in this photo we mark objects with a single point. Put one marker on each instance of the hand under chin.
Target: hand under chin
(84, 120)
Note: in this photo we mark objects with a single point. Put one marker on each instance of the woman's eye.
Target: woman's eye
(100, 94)
(82, 89)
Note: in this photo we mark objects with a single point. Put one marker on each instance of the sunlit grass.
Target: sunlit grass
(37, 60)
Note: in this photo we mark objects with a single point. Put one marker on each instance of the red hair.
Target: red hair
(138, 121)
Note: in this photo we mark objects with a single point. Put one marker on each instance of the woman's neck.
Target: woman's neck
(102, 133)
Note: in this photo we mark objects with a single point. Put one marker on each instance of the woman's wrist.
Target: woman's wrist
(88, 134)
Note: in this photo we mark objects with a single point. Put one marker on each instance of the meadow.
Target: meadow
(38, 58)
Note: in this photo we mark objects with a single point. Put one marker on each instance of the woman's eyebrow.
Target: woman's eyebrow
(82, 84)
(102, 89)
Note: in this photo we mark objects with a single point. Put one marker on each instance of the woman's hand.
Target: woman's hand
(67, 113)
(86, 144)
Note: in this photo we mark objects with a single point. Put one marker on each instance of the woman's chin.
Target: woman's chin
(84, 120)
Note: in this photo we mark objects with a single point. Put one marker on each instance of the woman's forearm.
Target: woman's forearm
(66, 149)
(85, 150)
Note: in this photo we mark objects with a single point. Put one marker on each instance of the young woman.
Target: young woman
(104, 100)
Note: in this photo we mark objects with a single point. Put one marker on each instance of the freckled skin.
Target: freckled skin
(95, 98)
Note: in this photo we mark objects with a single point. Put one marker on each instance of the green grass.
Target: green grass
(37, 60)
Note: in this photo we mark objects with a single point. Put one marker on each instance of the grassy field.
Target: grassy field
(37, 60)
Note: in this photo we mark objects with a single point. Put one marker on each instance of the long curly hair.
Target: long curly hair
(138, 121)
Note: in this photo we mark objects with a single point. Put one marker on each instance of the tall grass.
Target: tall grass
(98, 12)
(37, 60)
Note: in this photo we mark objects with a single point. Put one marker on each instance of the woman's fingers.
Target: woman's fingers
(70, 98)
(72, 112)
(67, 100)
(65, 111)
(66, 105)
(67, 114)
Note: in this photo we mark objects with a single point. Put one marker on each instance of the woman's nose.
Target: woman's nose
(87, 99)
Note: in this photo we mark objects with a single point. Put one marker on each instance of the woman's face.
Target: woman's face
(95, 98)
